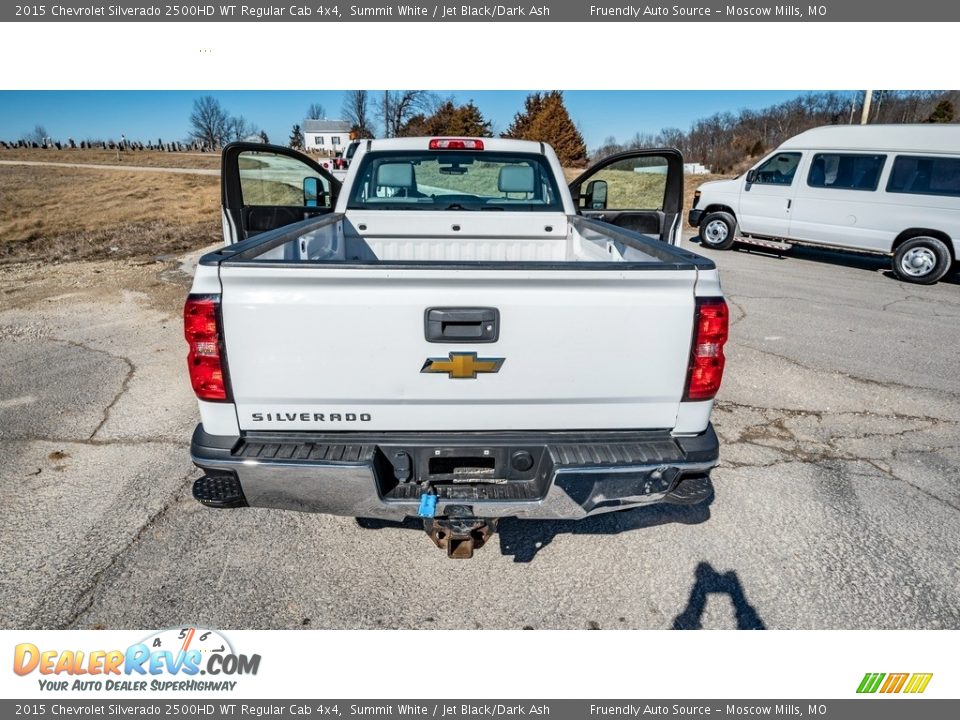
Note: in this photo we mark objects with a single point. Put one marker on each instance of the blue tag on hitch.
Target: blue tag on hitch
(428, 505)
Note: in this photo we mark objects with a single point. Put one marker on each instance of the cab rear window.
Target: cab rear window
(454, 180)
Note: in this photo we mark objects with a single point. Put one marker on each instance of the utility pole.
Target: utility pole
(867, 99)
(386, 113)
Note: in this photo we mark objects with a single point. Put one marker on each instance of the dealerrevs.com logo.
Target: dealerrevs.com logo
(171, 659)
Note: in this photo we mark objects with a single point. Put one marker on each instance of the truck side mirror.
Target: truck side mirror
(751, 177)
(596, 195)
(313, 194)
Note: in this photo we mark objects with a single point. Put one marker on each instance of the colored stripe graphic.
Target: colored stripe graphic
(870, 682)
(894, 683)
(918, 682)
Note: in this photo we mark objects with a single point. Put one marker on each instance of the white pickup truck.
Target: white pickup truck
(453, 334)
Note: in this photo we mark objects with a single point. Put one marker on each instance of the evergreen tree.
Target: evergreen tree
(943, 113)
(296, 138)
(449, 119)
(468, 121)
(545, 119)
(521, 121)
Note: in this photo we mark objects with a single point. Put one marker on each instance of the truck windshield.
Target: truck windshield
(454, 180)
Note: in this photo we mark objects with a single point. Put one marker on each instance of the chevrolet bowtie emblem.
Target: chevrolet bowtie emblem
(462, 365)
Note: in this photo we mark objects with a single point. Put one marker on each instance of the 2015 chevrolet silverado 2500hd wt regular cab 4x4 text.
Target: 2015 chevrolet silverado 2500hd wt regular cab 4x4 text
(452, 333)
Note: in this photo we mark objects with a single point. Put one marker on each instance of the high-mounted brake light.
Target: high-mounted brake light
(201, 327)
(711, 324)
(456, 144)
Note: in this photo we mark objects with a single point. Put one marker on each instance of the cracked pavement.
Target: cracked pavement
(837, 502)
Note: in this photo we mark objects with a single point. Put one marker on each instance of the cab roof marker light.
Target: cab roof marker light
(456, 144)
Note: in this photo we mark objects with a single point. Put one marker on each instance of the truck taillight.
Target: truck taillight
(201, 327)
(711, 324)
(456, 144)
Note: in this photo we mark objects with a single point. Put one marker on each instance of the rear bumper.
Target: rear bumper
(694, 217)
(490, 475)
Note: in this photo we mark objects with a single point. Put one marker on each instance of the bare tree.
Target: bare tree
(38, 135)
(356, 110)
(316, 111)
(396, 107)
(209, 121)
(240, 127)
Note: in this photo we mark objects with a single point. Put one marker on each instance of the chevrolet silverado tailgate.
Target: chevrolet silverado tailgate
(327, 348)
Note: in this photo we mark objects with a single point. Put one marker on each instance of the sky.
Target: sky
(153, 114)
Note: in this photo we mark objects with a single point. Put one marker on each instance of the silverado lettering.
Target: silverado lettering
(310, 417)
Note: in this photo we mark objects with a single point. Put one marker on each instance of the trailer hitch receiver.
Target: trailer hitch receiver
(460, 536)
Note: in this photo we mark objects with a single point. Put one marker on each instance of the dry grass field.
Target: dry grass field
(75, 213)
(58, 213)
(147, 158)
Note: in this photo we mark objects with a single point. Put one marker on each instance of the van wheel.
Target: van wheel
(718, 230)
(922, 259)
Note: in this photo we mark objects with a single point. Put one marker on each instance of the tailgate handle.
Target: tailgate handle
(465, 325)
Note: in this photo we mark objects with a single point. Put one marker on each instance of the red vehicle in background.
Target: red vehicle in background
(338, 165)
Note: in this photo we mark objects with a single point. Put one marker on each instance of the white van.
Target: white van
(892, 189)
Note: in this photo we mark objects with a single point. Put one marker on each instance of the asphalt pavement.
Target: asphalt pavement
(837, 501)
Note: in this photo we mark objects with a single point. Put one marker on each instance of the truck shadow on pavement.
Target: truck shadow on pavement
(709, 581)
(523, 539)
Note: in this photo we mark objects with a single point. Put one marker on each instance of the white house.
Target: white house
(326, 136)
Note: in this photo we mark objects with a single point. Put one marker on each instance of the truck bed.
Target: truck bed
(556, 240)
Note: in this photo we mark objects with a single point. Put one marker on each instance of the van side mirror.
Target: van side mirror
(751, 177)
(596, 195)
(313, 194)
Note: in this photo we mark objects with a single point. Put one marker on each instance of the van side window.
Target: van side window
(845, 171)
(925, 176)
(778, 170)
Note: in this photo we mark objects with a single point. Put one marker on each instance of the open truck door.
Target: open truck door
(264, 187)
(638, 190)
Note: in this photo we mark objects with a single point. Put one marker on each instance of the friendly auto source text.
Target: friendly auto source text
(637, 11)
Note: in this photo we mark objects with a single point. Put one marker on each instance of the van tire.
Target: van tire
(922, 259)
(718, 231)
